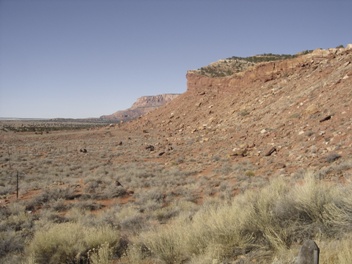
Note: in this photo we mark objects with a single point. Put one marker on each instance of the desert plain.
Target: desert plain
(241, 168)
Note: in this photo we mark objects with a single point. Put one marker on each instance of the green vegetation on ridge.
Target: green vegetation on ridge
(235, 64)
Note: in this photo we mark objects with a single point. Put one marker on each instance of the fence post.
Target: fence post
(309, 253)
(17, 186)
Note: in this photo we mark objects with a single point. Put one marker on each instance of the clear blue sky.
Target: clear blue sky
(87, 58)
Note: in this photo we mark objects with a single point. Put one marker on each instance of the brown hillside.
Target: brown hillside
(279, 106)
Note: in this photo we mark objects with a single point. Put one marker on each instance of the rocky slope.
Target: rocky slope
(280, 116)
(142, 106)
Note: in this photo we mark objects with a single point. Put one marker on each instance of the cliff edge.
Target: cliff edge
(142, 106)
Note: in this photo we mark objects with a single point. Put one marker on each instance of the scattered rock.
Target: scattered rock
(150, 147)
(243, 150)
(309, 253)
(332, 157)
(240, 152)
(270, 152)
(117, 183)
(325, 118)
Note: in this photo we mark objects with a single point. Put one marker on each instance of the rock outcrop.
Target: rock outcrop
(142, 106)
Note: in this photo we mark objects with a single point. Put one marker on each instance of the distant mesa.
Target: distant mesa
(142, 106)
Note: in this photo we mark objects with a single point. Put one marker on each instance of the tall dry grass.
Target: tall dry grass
(260, 225)
(70, 243)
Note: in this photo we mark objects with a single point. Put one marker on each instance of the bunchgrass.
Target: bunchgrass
(70, 242)
(262, 224)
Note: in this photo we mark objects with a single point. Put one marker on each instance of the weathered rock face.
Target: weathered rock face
(142, 106)
(262, 72)
(153, 101)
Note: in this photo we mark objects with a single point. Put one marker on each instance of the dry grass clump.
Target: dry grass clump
(103, 189)
(337, 251)
(257, 225)
(100, 255)
(15, 227)
(69, 242)
(126, 219)
(11, 244)
(53, 197)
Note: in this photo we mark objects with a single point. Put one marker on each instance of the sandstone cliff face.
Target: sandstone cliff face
(153, 101)
(263, 72)
(142, 106)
